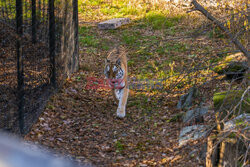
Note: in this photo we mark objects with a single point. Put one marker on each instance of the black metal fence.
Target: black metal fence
(38, 49)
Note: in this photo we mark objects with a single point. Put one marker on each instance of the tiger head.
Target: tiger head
(114, 68)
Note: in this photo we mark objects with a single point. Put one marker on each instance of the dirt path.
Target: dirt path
(82, 122)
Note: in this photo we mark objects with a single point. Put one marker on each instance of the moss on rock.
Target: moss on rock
(234, 66)
(224, 102)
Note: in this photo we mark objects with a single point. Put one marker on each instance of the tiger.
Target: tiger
(116, 73)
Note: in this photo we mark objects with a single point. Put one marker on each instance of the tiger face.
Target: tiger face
(114, 72)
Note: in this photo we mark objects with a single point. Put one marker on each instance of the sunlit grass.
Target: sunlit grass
(155, 13)
(149, 57)
(160, 19)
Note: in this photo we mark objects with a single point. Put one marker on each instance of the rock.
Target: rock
(113, 23)
(241, 120)
(236, 70)
(194, 132)
(224, 102)
(187, 99)
(233, 66)
(195, 115)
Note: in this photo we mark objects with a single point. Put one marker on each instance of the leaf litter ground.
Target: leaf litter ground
(82, 123)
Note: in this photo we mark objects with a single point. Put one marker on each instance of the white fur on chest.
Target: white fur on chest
(119, 93)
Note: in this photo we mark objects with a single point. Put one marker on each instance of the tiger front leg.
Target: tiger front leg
(121, 110)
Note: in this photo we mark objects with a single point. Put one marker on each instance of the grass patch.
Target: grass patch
(130, 38)
(159, 20)
(86, 38)
(216, 33)
(171, 47)
(89, 41)
(119, 146)
(176, 118)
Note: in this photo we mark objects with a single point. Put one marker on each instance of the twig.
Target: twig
(246, 154)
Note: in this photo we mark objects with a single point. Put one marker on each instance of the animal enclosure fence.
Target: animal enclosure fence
(38, 48)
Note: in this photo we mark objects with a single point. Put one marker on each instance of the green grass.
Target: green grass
(226, 101)
(216, 33)
(154, 13)
(155, 56)
(88, 38)
(119, 146)
(176, 118)
(172, 47)
(128, 39)
(159, 19)
(89, 41)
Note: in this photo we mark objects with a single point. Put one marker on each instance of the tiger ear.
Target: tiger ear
(118, 61)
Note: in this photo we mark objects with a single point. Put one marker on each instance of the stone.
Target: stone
(224, 102)
(236, 70)
(243, 119)
(187, 99)
(195, 114)
(233, 66)
(190, 133)
(113, 23)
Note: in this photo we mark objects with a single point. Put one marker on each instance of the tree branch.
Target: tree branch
(222, 27)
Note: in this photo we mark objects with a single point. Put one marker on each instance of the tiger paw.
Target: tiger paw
(120, 114)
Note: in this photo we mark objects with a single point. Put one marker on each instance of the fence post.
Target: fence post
(33, 3)
(52, 41)
(20, 89)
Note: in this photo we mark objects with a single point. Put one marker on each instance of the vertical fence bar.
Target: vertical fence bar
(52, 41)
(25, 12)
(33, 4)
(39, 11)
(76, 48)
(44, 5)
(20, 86)
(6, 9)
(2, 8)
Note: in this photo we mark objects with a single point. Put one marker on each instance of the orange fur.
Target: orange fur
(115, 56)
